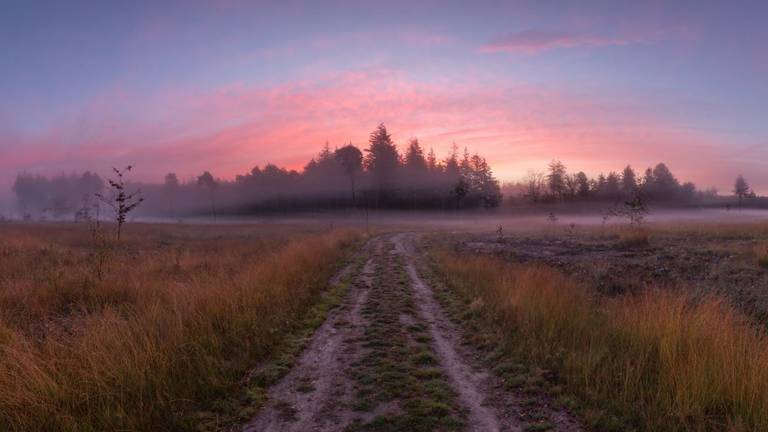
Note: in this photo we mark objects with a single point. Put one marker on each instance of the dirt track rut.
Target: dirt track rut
(355, 374)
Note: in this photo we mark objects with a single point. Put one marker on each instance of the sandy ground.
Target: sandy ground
(319, 393)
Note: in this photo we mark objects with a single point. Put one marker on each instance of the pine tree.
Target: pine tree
(482, 182)
(452, 163)
(628, 181)
(414, 157)
(431, 160)
(382, 159)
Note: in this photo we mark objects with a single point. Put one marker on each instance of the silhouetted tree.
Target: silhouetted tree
(207, 181)
(465, 166)
(598, 186)
(171, 189)
(741, 189)
(459, 191)
(665, 186)
(452, 164)
(351, 160)
(482, 183)
(32, 192)
(556, 179)
(571, 185)
(634, 208)
(687, 191)
(60, 195)
(628, 181)
(611, 189)
(89, 185)
(648, 180)
(414, 158)
(535, 183)
(582, 182)
(431, 160)
(382, 159)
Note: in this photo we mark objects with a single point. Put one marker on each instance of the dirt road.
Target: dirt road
(389, 359)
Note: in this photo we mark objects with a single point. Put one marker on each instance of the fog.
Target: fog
(510, 221)
(381, 182)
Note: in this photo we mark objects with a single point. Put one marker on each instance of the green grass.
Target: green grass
(399, 364)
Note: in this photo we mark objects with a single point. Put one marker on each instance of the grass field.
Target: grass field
(671, 356)
(154, 332)
(189, 327)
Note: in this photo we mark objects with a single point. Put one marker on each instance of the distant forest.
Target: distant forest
(378, 177)
(657, 184)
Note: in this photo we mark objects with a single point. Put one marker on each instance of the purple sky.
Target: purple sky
(223, 86)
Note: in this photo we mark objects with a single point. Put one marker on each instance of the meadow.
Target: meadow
(667, 333)
(189, 327)
(155, 332)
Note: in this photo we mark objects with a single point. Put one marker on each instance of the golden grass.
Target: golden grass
(761, 254)
(634, 237)
(661, 358)
(177, 317)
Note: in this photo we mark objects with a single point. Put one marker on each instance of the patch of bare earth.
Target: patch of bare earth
(327, 387)
(317, 394)
(490, 406)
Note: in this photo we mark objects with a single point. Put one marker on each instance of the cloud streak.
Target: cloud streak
(536, 41)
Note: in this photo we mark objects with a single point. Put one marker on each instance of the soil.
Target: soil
(390, 359)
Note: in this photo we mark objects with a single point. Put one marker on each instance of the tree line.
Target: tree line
(378, 177)
(657, 184)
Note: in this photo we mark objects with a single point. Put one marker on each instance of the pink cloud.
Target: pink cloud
(230, 129)
(534, 41)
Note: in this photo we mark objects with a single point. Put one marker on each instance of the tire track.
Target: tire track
(316, 394)
(490, 407)
(340, 383)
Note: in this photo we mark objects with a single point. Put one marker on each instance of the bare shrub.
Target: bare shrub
(119, 200)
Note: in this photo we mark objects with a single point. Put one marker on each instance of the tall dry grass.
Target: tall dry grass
(662, 359)
(173, 323)
(761, 254)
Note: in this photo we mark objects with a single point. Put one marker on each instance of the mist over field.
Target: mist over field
(375, 178)
(400, 216)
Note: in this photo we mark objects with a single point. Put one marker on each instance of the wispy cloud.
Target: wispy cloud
(534, 41)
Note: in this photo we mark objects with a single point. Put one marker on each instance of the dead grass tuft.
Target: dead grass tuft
(761, 255)
(634, 237)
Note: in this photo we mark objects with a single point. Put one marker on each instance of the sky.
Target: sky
(226, 85)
